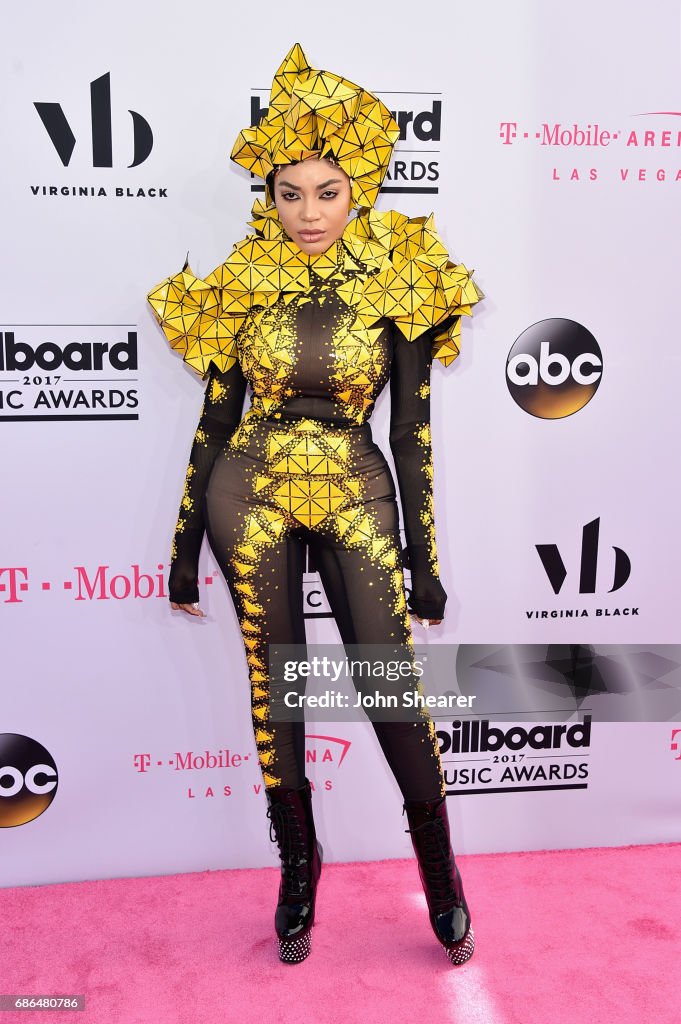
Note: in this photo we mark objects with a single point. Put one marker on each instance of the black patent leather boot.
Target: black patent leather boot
(290, 814)
(447, 908)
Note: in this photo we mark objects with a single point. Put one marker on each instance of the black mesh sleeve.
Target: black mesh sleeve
(410, 443)
(220, 415)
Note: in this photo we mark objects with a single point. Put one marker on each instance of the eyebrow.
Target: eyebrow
(324, 184)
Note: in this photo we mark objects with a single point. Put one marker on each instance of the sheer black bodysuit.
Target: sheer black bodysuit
(304, 470)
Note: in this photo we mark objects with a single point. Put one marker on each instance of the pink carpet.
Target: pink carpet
(563, 938)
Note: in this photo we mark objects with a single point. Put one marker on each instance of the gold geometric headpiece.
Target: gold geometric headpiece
(317, 113)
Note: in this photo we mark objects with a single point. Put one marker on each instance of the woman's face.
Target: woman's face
(313, 201)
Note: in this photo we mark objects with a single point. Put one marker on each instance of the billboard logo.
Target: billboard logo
(554, 565)
(28, 779)
(415, 170)
(425, 125)
(47, 374)
(49, 355)
(64, 141)
(506, 760)
(554, 368)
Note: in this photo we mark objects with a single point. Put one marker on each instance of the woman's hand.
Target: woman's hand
(426, 623)
(191, 609)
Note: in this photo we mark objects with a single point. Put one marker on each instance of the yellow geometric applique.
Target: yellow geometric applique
(318, 113)
(377, 545)
(193, 321)
(385, 265)
(389, 559)
(304, 455)
(255, 531)
(310, 501)
(264, 526)
(261, 482)
(344, 520)
(247, 550)
(360, 371)
(363, 531)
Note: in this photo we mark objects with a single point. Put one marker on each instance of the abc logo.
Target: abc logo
(554, 368)
(28, 779)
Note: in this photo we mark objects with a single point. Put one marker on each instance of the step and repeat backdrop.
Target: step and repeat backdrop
(547, 142)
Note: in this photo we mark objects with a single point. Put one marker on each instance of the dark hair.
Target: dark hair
(269, 180)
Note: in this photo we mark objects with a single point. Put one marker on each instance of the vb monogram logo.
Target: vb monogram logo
(64, 141)
(555, 567)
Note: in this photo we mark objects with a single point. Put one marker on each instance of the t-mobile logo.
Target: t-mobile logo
(555, 569)
(64, 141)
(676, 743)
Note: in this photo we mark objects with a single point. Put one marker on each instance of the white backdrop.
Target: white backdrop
(95, 667)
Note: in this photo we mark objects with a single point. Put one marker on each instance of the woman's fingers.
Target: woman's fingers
(427, 622)
(191, 609)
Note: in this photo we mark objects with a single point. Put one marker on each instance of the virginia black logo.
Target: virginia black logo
(28, 779)
(554, 368)
(554, 565)
(64, 141)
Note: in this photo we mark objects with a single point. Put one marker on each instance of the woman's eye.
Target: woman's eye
(289, 195)
(329, 194)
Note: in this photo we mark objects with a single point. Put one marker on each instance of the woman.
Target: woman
(316, 312)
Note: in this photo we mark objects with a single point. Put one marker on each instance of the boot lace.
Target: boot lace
(288, 836)
(437, 863)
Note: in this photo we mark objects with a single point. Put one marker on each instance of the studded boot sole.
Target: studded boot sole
(301, 853)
